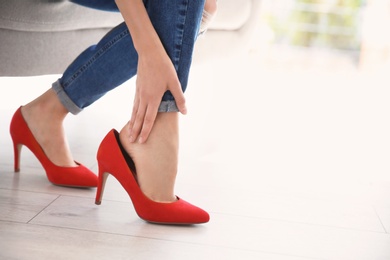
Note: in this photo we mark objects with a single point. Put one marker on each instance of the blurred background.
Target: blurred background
(326, 34)
(303, 99)
(286, 139)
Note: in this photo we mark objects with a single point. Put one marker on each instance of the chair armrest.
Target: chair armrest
(233, 38)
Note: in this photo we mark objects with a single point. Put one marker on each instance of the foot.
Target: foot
(44, 116)
(156, 160)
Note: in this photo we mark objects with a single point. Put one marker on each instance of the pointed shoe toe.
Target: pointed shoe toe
(78, 177)
(179, 212)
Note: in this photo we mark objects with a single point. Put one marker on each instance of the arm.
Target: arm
(156, 73)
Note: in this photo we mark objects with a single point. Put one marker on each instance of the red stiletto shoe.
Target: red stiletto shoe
(114, 160)
(78, 176)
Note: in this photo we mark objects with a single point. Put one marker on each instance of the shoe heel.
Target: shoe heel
(101, 184)
(17, 149)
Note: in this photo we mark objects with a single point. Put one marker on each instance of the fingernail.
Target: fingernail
(140, 140)
(131, 138)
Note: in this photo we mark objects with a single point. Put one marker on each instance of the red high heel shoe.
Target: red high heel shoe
(78, 176)
(113, 159)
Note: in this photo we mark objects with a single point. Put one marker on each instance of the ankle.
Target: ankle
(47, 105)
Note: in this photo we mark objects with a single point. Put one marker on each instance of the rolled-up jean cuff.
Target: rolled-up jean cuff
(65, 99)
(168, 106)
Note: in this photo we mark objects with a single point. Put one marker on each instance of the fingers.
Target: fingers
(145, 110)
(180, 100)
(150, 117)
(142, 121)
(133, 135)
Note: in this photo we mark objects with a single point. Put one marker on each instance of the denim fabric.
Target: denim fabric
(112, 61)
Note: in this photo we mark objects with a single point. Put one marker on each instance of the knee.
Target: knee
(211, 6)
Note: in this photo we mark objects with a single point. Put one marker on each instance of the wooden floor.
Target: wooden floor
(291, 165)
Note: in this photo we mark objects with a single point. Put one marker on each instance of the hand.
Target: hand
(210, 8)
(156, 74)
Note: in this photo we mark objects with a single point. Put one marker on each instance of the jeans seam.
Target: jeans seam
(180, 39)
(96, 56)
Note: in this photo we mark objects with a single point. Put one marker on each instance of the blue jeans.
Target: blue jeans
(113, 61)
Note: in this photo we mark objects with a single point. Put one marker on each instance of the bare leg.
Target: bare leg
(157, 159)
(45, 116)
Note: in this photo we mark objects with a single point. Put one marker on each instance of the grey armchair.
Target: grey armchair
(39, 37)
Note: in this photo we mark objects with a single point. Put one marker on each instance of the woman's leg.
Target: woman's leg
(45, 116)
(178, 34)
(157, 159)
(113, 61)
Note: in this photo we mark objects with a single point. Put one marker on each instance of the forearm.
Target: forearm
(144, 36)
